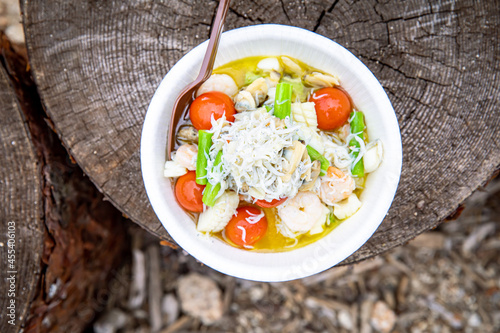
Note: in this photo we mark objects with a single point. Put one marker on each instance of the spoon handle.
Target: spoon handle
(213, 44)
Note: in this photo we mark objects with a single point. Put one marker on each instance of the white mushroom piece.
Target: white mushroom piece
(347, 207)
(219, 82)
(373, 156)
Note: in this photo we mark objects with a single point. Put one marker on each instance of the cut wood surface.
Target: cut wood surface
(67, 241)
(97, 65)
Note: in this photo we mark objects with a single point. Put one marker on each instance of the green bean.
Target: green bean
(283, 100)
(204, 144)
(357, 128)
(315, 155)
(211, 191)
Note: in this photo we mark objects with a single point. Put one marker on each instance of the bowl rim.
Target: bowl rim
(241, 269)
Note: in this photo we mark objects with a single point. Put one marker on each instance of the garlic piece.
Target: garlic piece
(347, 207)
(373, 156)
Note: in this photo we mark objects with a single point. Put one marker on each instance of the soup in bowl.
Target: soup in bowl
(286, 162)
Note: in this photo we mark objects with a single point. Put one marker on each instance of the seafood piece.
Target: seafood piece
(257, 193)
(306, 174)
(186, 156)
(347, 207)
(315, 171)
(271, 94)
(319, 80)
(305, 113)
(272, 67)
(173, 169)
(373, 156)
(219, 82)
(188, 133)
(336, 186)
(244, 101)
(258, 89)
(269, 64)
(344, 132)
(291, 66)
(215, 218)
(318, 227)
(311, 138)
(336, 151)
(273, 79)
(251, 96)
(301, 213)
(293, 155)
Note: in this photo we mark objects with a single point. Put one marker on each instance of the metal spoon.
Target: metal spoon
(187, 95)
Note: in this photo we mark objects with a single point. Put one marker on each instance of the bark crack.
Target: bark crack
(245, 16)
(284, 11)
(323, 12)
(396, 69)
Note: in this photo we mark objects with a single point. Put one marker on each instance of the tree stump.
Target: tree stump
(97, 65)
(60, 242)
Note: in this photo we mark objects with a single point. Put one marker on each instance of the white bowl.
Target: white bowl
(367, 94)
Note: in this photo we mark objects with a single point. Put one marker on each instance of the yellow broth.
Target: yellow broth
(273, 240)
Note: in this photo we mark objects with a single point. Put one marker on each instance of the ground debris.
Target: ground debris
(200, 297)
(446, 280)
(382, 318)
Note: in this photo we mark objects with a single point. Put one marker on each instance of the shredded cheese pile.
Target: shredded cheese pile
(252, 155)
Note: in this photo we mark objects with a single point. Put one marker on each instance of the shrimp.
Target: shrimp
(335, 186)
(219, 82)
(301, 213)
(186, 156)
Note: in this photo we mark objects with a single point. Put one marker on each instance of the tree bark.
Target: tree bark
(67, 241)
(21, 239)
(97, 65)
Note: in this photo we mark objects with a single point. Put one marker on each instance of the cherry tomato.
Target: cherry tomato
(272, 204)
(332, 107)
(244, 228)
(188, 193)
(213, 102)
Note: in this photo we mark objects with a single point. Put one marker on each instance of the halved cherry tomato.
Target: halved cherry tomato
(213, 102)
(245, 228)
(332, 107)
(272, 204)
(189, 193)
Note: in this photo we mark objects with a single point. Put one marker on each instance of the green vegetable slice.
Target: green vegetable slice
(283, 100)
(204, 144)
(315, 155)
(211, 191)
(357, 128)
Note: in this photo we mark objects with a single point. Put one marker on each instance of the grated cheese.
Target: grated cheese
(254, 218)
(252, 155)
(243, 233)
